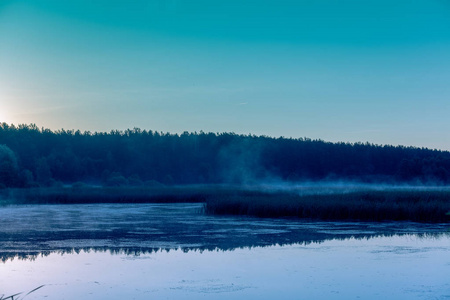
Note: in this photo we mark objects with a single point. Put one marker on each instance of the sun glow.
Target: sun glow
(4, 116)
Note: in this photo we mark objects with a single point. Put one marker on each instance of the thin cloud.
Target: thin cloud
(45, 110)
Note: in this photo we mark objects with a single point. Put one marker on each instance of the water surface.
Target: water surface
(174, 251)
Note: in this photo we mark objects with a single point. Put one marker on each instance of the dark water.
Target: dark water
(174, 251)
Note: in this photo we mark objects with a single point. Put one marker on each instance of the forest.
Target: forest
(38, 157)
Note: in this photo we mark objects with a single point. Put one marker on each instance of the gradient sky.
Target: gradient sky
(338, 70)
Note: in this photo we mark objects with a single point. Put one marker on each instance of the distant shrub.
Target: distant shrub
(135, 180)
(153, 183)
(26, 178)
(79, 185)
(9, 170)
(117, 181)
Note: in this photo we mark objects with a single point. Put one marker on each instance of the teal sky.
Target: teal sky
(339, 70)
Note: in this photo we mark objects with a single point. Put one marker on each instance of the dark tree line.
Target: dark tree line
(30, 156)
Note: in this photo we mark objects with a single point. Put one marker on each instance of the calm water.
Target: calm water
(174, 251)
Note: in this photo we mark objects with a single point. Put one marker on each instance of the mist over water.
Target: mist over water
(337, 187)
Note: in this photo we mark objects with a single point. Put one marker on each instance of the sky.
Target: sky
(337, 70)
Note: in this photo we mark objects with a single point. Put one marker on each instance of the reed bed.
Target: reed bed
(19, 296)
(392, 205)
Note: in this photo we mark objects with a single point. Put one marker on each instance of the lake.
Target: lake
(175, 251)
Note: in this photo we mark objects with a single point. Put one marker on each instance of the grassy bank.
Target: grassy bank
(373, 205)
(125, 194)
(69, 195)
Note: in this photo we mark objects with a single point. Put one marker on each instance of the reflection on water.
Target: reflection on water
(174, 251)
(35, 230)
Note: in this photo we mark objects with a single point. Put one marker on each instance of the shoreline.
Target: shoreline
(417, 204)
